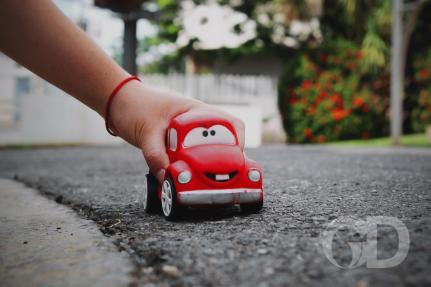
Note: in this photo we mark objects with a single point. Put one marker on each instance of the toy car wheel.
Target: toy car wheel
(170, 207)
(149, 200)
(249, 208)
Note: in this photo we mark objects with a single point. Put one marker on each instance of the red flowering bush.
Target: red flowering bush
(421, 113)
(324, 95)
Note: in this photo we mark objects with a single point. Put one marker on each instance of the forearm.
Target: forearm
(38, 36)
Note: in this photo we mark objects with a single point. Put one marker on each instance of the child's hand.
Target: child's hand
(142, 114)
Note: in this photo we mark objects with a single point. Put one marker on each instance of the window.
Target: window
(22, 88)
(173, 139)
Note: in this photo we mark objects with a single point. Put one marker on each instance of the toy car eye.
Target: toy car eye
(196, 136)
(199, 136)
(221, 135)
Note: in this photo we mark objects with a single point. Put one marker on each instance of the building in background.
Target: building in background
(34, 112)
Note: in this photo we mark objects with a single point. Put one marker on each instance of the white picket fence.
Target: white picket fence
(218, 89)
(45, 114)
(251, 98)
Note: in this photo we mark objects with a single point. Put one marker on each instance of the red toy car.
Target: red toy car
(207, 167)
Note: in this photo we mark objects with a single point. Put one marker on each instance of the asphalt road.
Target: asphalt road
(306, 188)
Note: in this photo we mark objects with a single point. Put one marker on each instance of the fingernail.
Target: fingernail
(160, 174)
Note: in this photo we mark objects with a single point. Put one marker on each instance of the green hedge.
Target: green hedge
(326, 95)
(421, 82)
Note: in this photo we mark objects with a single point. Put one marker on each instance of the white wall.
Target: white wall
(60, 119)
(47, 119)
(49, 116)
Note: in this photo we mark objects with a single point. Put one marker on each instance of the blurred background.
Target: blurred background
(315, 71)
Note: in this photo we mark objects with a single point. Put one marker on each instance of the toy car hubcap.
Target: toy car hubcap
(167, 198)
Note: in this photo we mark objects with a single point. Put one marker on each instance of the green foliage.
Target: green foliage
(375, 52)
(325, 95)
(340, 90)
(418, 84)
(168, 11)
(328, 92)
(421, 113)
(366, 23)
(167, 64)
(169, 29)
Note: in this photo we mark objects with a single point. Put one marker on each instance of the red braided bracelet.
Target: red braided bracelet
(109, 101)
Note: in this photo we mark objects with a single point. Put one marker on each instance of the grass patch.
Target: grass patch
(414, 140)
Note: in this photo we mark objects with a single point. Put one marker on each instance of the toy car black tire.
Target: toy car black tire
(249, 208)
(150, 201)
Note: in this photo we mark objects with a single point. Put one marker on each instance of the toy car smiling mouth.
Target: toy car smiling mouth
(207, 167)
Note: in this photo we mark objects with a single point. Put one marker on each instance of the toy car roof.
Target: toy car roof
(204, 118)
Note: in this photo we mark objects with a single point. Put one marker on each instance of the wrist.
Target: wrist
(127, 108)
(110, 127)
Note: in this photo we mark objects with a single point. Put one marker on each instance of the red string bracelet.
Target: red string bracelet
(109, 101)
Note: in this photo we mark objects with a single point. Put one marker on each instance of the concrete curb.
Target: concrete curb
(46, 244)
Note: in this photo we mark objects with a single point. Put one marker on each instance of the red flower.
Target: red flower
(306, 84)
(336, 99)
(311, 110)
(365, 108)
(307, 132)
(339, 114)
(423, 73)
(323, 57)
(321, 138)
(351, 65)
(359, 55)
(323, 95)
(358, 102)
(365, 135)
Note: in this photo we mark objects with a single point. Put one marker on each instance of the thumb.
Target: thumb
(155, 155)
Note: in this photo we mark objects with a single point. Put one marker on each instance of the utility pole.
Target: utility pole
(129, 45)
(130, 11)
(397, 72)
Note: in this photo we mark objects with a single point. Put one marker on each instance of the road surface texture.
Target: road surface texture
(306, 188)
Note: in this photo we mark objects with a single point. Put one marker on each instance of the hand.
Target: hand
(141, 115)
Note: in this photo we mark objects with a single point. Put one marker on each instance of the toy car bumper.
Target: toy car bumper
(220, 196)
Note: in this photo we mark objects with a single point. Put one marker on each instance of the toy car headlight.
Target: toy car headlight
(184, 177)
(254, 175)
